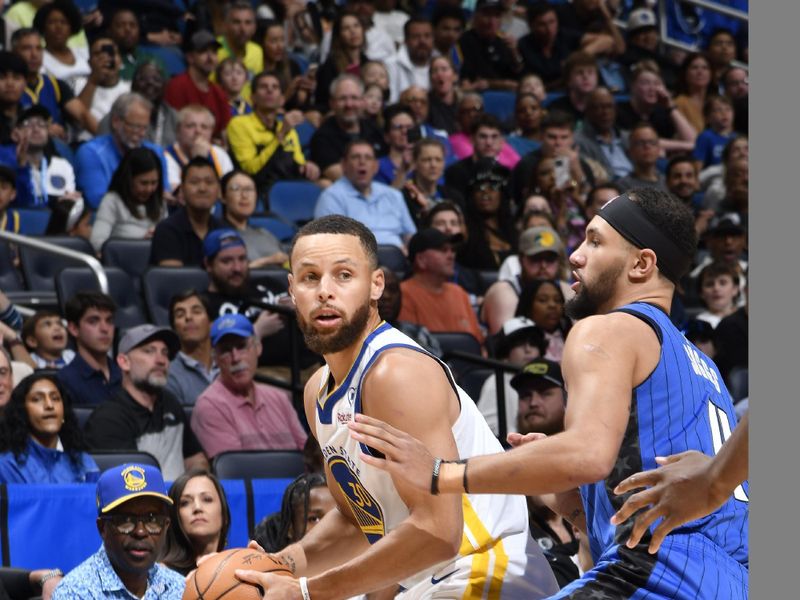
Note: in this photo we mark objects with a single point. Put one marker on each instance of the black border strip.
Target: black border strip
(251, 509)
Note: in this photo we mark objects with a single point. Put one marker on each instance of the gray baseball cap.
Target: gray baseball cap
(141, 334)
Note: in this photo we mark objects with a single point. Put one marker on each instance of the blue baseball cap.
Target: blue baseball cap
(234, 324)
(220, 239)
(125, 482)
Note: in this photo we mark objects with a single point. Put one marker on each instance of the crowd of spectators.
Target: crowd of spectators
(172, 121)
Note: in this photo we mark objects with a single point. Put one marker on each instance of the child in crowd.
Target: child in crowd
(46, 338)
(232, 77)
(718, 113)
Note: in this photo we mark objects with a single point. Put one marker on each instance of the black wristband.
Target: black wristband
(437, 465)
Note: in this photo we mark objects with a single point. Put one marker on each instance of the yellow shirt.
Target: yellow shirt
(253, 144)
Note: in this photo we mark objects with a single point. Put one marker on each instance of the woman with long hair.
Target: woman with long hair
(693, 87)
(348, 43)
(305, 501)
(542, 301)
(134, 202)
(298, 88)
(239, 195)
(200, 520)
(70, 217)
(40, 438)
(491, 234)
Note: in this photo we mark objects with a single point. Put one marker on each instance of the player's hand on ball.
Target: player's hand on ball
(678, 492)
(275, 587)
(406, 458)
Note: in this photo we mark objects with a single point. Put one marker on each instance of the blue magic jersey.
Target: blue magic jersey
(683, 405)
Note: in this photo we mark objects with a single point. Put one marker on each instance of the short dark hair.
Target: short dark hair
(643, 125)
(441, 13)
(357, 142)
(485, 120)
(21, 33)
(415, 20)
(717, 268)
(558, 119)
(77, 306)
(182, 297)
(427, 142)
(257, 78)
(609, 185)
(341, 225)
(708, 105)
(679, 159)
(537, 9)
(668, 214)
(443, 206)
(391, 111)
(197, 162)
(29, 326)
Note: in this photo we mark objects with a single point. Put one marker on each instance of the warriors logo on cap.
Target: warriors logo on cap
(134, 478)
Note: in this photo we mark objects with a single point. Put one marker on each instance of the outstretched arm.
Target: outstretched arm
(600, 359)
(686, 487)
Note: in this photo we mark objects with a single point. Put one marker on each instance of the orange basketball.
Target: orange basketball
(214, 578)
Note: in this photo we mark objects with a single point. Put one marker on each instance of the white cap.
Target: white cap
(640, 18)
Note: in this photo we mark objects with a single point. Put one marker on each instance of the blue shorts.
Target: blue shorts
(687, 567)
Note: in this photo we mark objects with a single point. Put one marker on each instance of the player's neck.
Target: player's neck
(658, 295)
(341, 362)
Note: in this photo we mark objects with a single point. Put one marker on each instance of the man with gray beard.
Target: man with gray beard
(143, 415)
(235, 412)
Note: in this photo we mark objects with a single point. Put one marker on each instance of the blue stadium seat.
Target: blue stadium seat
(159, 284)
(499, 103)
(294, 201)
(171, 58)
(278, 227)
(33, 221)
(305, 131)
(107, 459)
(552, 96)
(391, 257)
(258, 464)
(39, 268)
(301, 61)
(130, 307)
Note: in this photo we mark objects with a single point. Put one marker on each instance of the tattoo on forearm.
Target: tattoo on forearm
(289, 562)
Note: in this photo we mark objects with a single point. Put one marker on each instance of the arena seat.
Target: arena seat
(132, 256)
(461, 342)
(275, 279)
(294, 201)
(281, 229)
(10, 277)
(472, 381)
(106, 459)
(487, 278)
(33, 221)
(39, 268)
(499, 103)
(130, 307)
(82, 413)
(159, 284)
(391, 257)
(258, 464)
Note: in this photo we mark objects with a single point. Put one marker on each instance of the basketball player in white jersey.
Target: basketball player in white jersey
(384, 532)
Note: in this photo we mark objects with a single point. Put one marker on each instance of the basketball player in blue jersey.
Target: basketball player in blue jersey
(383, 531)
(637, 389)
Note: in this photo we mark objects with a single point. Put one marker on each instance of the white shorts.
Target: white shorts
(512, 569)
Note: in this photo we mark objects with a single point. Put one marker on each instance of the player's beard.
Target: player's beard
(590, 298)
(330, 343)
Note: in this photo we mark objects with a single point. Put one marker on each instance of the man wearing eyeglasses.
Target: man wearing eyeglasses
(97, 159)
(143, 415)
(643, 150)
(132, 506)
(235, 412)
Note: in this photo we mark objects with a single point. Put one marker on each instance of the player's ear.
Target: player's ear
(378, 283)
(644, 265)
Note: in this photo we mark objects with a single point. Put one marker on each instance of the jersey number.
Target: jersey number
(721, 431)
(361, 497)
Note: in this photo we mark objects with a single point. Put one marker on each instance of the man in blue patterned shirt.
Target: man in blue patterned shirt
(132, 519)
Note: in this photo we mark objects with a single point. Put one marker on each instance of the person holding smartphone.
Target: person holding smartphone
(105, 83)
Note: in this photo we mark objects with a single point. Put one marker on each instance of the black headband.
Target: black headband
(631, 222)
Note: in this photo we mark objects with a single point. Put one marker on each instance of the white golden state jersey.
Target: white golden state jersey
(494, 548)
